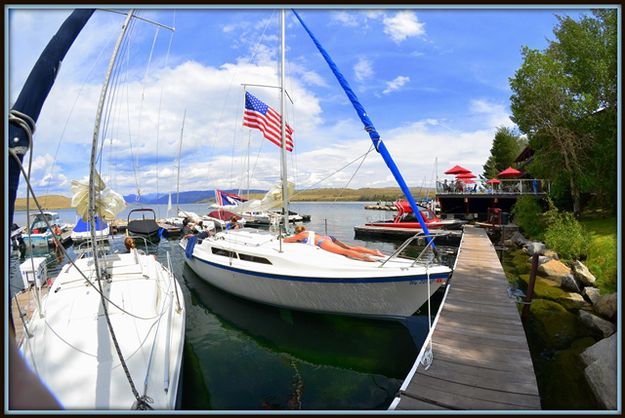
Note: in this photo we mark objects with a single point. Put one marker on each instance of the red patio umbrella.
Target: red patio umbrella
(467, 181)
(510, 172)
(466, 176)
(493, 181)
(457, 170)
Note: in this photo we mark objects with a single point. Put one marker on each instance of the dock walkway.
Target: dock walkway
(481, 360)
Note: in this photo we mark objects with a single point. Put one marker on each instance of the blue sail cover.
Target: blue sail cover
(373, 134)
(83, 226)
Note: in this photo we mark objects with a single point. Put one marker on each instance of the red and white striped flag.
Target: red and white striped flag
(262, 117)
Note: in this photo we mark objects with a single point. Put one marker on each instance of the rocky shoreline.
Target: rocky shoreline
(571, 324)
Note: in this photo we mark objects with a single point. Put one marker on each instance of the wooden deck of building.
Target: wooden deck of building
(481, 360)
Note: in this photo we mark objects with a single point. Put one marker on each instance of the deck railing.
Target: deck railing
(507, 186)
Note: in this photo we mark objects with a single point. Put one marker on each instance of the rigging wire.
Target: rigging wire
(364, 157)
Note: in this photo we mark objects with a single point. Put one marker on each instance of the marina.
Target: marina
(221, 226)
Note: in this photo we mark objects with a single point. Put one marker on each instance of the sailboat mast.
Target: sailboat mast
(285, 197)
(184, 116)
(96, 134)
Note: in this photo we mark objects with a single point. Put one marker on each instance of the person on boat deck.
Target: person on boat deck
(129, 243)
(187, 227)
(233, 224)
(328, 244)
(58, 235)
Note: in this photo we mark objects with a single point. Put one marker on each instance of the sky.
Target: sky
(433, 81)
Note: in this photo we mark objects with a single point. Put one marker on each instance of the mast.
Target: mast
(184, 116)
(94, 144)
(285, 191)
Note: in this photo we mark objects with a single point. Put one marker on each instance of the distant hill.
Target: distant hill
(196, 196)
(46, 202)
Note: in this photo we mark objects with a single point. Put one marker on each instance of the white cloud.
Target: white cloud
(494, 114)
(403, 25)
(362, 69)
(396, 84)
(348, 19)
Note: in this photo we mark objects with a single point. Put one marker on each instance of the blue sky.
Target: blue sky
(434, 82)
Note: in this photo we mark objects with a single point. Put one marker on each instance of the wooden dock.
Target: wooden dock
(442, 237)
(27, 306)
(481, 360)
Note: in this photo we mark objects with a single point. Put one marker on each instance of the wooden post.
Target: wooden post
(530, 287)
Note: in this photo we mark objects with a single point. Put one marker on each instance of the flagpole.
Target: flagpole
(285, 197)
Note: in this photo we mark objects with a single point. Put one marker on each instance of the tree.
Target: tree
(558, 96)
(506, 147)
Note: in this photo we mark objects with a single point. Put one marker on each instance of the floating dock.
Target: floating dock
(481, 360)
(443, 237)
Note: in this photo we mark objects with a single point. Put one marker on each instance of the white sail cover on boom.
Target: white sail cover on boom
(107, 202)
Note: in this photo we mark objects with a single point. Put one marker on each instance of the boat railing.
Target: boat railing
(420, 258)
(403, 246)
(505, 186)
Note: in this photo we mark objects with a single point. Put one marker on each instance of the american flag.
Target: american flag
(227, 199)
(262, 117)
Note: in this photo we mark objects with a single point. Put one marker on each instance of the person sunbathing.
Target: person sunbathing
(328, 244)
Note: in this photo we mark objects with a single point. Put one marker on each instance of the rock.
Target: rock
(541, 259)
(606, 306)
(582, 274)
(551, 254)
(601, 371)
(573, 302)
(535, 248)
(519, 239)
(601, 327)
(554, 268)
(553, 325)
(569, 284)
(592, 294)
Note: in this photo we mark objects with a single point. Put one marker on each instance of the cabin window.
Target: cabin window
(225, 253)
(254, 259)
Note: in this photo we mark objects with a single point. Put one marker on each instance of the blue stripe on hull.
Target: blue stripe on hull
(328, 280)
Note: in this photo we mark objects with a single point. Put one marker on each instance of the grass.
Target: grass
(366, 194)
(46, 202)
(602, 258)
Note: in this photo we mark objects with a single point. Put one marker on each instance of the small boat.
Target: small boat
(405, 218)
(39, 235)
(144, 227)
(81, 231)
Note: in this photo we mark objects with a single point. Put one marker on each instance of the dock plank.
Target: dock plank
(480, 351)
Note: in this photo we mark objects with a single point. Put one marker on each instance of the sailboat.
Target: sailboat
(259, 266)
(110, 332)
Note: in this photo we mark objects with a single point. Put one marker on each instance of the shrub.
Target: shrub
(565, 235)
(527, 214)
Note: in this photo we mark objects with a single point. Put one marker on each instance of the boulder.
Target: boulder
(582, 274)
(600, 327)
(551, 254)
(601, 371)
(553, 325)
(606, 306)
(519, 239)
(536, 248)
(592, 294)
(569, 284)
(553, 268)
(573, 302)
(541, 259)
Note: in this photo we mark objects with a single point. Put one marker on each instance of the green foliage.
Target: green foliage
(565, 235)
(602, 260)
(527, 214)
(506, 147)
(556, 101)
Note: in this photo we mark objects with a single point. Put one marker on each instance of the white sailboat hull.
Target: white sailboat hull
(308, 278)
(71, 349)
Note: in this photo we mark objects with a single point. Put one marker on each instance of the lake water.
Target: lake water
(241, 355)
